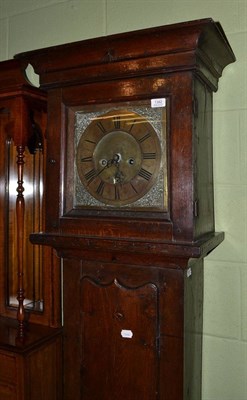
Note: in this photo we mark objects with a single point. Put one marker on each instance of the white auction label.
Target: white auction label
(189, 272)
(126, 333)
(158, 103)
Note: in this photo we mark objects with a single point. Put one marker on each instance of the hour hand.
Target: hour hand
(116, 159)
(113, 161)
(119, 177)
(107, 164)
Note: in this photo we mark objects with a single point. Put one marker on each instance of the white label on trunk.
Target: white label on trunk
(126, 333)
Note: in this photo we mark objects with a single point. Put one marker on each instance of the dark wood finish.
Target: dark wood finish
(155, 292)
(30, 369)
(22, 113)
(30, 354)
(20, 212)
(154, 304)
(182, 62)
(138, 272)
(196, 45)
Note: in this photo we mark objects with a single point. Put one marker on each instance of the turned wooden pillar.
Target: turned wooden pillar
(30, 355)
(20, 211)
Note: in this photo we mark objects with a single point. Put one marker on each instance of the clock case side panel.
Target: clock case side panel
(203, 203)
(191, 159)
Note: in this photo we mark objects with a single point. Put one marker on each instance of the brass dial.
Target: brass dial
(118, 157)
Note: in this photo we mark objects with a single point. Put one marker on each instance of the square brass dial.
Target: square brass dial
(120, 157)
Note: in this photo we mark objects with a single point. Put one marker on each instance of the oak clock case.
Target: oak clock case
(130, 205)
(118, 157)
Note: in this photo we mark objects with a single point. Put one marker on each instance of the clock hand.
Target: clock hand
(105, 167)
(118, 178)
(114, 161)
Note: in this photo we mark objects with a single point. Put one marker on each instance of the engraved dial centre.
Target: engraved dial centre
(117, 157)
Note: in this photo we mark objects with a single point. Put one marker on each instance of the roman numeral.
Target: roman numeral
(133, 187)
(117, 194)
(90, 175)
(100, 188)
(145, 137)
(90, 141)
(117, 122)
(149, 156)
(145, 174)
(101, 127)
(86, 159)
(130, 129)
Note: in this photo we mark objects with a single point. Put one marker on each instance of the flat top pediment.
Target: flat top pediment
(149, 51)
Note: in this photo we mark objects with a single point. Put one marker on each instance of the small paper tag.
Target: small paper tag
(189, 272)
(158, 103)
(126, 333)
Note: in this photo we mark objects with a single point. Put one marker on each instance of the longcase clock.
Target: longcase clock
(129, 204)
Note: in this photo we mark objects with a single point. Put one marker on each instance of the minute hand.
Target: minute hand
(108, 165)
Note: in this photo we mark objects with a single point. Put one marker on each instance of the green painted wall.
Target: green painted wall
(33, 24)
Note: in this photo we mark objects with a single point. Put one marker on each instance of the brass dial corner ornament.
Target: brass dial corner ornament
(118, 157)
